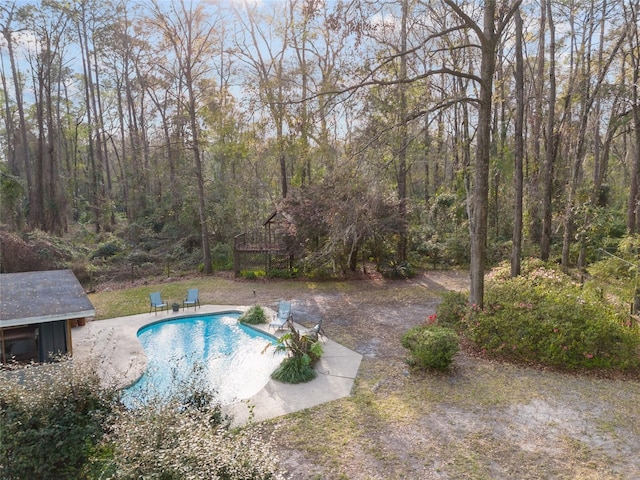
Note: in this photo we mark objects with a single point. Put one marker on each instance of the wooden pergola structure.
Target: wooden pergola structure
(267, 248)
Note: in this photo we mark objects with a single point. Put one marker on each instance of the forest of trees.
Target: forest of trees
(398, 129)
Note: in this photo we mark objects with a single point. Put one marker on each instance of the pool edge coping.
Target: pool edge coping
(120, 361)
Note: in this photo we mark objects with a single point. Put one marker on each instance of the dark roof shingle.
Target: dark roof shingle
(36, 297)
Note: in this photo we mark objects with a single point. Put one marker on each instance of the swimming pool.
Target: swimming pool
(227, 356)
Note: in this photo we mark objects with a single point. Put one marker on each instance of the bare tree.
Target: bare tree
(265, 55)
(189, 32)
(50, 25)
(495, 19)
(588, 94)
(9, 13)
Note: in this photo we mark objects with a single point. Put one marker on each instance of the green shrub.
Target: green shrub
(456, 250)
(254, 316)
(283, 273)
(51, 418)
(140, 258)
(57, 422)
(11, 194)
(452, 309)
(397, 270)
(611, 269)
(546, 318)
(434, 249)
(294, 370)
(304, 350)
(430, 347)
(184, 434)
(252, 274)
(106, 250)
(320, 273)
(165, 443)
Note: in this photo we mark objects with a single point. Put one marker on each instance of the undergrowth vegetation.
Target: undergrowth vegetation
(545, 317)
(58, 422)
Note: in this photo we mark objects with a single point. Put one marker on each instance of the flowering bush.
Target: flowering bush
(547, 318)
(430, 346)
(452, 310)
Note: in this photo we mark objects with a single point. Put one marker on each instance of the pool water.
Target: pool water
(228, 357)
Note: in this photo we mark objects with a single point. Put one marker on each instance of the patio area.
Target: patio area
(112, 345)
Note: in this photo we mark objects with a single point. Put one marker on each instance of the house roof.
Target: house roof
(38, 297)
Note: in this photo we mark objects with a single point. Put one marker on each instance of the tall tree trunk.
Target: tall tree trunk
(123, 181)
(551, 142)
(401, 253)
(102, 142)
(488, 35)
(301, 48)
(427, 150)
(38, 217)
(600, 173)
(202, 213)
(516, 251)
(536, 213)
(24, 143)
(190, 37)
(633, 204)
(483, 147)
(54, 210)
(10, 129)
(96, 180)
(138, 198)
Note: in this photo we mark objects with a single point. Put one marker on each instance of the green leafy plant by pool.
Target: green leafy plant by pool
(304, 350)
(254, 316)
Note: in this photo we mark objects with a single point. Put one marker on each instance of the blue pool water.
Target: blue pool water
(229, 357)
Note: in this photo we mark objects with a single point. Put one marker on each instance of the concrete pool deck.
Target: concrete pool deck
(113, 346)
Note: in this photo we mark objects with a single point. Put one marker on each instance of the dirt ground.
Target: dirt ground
(484, 420)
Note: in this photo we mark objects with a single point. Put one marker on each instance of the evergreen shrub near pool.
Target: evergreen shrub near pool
(254, 316)
(430, 346)
(544, 317)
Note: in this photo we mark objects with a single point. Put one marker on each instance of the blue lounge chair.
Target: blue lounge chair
(283, 317)
(193, 298)
(157, 303)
